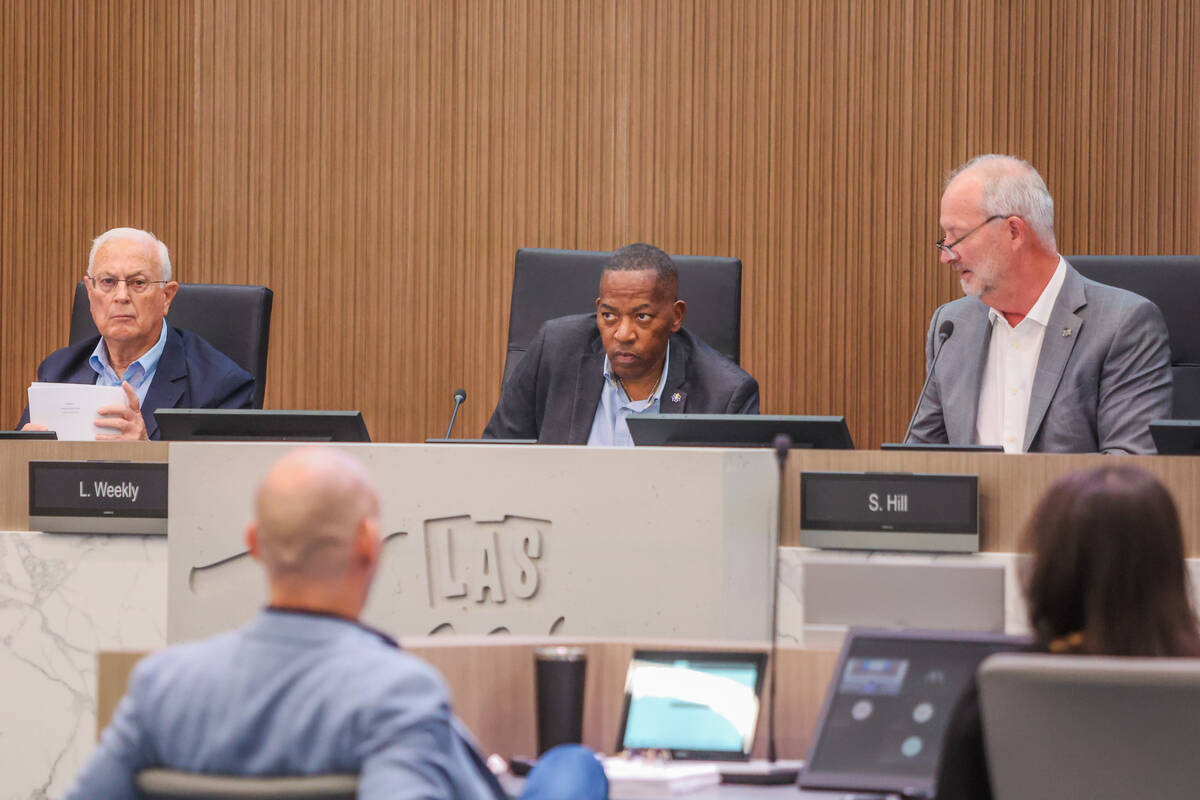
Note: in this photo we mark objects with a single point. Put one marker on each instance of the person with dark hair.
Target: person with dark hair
(1106, 576)
(584, 374)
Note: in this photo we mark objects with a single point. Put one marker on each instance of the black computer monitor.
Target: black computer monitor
(942, 447)
(258, 425)
(1176, 437)
(739, 430)
(28, 435)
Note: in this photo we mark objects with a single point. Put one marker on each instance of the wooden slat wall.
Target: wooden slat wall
(377, 163)
(95, 132)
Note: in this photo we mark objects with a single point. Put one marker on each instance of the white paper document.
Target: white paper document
(69, 409)
(636, 778)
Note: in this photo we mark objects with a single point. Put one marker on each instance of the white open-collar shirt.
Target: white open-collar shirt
(1012, 361)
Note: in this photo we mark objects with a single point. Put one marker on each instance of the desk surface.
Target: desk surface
(721, 792)
(1009, 484)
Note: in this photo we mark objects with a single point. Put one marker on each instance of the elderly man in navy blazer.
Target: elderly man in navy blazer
(305, 688)
(583, 375)
(130, 290)
(1035, 357)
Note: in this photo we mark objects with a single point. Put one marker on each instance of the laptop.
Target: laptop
(699, 705)
(887, 707)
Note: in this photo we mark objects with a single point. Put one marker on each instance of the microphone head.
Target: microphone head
(946, 329)
(460, 395)
(782, 444)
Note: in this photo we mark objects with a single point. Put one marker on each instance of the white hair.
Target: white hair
(164, 258)
(1012, 187)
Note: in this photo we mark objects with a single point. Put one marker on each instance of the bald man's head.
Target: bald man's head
(310, 514)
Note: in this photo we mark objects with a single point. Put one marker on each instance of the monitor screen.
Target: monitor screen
(258, 425)
(888, 704)
(695, 704)
(1176, 437)
(739, 430)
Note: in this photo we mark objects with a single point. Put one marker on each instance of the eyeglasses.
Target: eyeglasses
(948, 249)
(107, 284)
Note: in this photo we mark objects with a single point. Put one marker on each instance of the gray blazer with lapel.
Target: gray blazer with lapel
(553, 393)
(1103, 374)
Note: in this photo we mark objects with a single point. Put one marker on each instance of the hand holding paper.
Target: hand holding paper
(73, 409)
(122, 420)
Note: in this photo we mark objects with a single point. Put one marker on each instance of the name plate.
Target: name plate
(883, 511)
(98, 497)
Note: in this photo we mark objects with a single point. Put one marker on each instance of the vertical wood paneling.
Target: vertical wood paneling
(378, 163)
(95, 131)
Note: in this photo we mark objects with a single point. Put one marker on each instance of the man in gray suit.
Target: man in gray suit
(1036, 357)
(305, 688)
(584, 374)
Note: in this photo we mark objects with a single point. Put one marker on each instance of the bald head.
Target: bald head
(1006, 186)
(310, 514)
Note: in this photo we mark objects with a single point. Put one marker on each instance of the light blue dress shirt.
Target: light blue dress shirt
(609, 428)
(139, 374)
(295, 693)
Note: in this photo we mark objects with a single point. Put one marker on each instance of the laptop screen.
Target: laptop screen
(888, 705)
(695, 704)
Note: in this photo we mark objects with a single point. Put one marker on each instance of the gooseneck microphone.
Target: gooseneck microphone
(460, 397)
(774, 774)
(945, 331)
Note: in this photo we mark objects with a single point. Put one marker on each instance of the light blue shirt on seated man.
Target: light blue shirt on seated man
(139, 375)
(609, 428)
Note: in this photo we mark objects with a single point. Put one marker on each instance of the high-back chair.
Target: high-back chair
(1173, 284)
(235, 319)
(1090, 727)
(170, 784)
(555, 283)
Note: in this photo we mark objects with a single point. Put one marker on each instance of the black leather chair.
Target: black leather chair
(554, 283)
(1173, 284)
(234, 319)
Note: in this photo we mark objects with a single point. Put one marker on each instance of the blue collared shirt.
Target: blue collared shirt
(139, 374)
(609, 428)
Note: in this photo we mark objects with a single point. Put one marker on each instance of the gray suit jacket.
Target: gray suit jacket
(1103, 374)
(553, 393)
(289, 694)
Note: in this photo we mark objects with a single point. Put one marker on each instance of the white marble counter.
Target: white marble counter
(64, 598)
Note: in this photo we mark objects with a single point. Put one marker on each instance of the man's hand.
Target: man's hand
(34, 426)
(126, 421)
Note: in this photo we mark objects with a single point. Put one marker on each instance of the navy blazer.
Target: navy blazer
(553, 392)
(191, 374)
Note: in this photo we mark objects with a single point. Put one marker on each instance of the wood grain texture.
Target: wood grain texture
(378, 163)
(495, 690)
(14, 468)
(1009, 485)
(492, 688)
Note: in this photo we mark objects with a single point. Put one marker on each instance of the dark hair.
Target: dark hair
(1108, 564)
(639, 257)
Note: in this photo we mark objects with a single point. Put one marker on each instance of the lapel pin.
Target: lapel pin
(675, 398)
(1066, 332)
